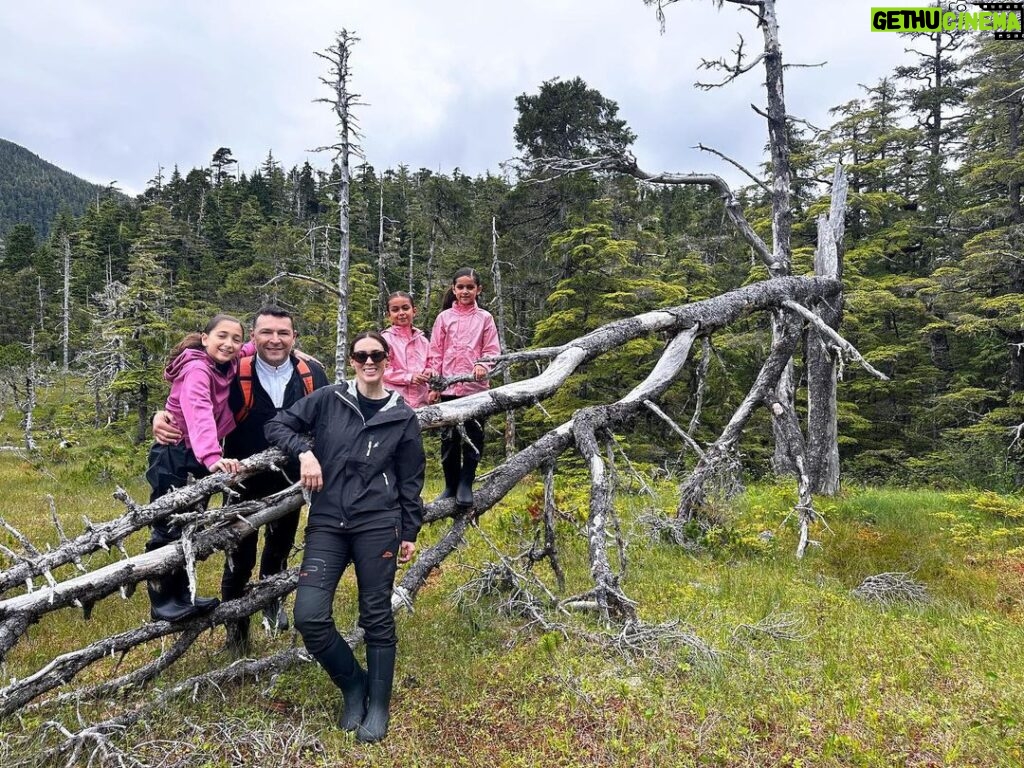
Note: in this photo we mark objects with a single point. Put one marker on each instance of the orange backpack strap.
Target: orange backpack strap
(307, 375)
(245, 374)
(245, 377)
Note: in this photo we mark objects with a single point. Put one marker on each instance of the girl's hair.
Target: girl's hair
(449, 295)
(194, 340)
(400, 295)
(375, 335)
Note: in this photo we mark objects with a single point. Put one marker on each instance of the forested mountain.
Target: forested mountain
(933, 275)
(33, 191)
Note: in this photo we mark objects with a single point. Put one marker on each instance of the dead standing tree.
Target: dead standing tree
(342, 101)
(814, 459)
(499, 297)
(778, 258)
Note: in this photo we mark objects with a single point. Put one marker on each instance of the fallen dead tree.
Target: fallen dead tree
(207, 532)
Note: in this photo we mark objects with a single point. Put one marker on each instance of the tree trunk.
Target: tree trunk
(499, 297)
(822, 466)
(30, 395)
(382, 261)
(342, 101)
(428, 278)
(66, 315)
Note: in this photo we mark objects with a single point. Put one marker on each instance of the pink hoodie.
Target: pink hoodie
(409, 349)
(199, 402)
(461, 336)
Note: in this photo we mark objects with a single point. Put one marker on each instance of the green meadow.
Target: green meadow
(801, 672)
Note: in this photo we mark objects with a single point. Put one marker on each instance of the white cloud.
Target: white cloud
(109, 90)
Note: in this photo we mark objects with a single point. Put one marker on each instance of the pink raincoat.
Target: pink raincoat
(409, 348)
(199, 402)
(461, 336)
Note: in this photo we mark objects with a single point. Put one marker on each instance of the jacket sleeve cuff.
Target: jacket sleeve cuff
(210, 459)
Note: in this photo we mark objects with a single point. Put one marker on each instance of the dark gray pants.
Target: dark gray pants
(328, 552)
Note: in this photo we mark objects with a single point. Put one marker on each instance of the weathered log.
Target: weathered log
(104, 581)
(102, 536)
(710, 314)
(215, 679)
(65, 667)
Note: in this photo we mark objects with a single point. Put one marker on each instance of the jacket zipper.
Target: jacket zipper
(369, 445)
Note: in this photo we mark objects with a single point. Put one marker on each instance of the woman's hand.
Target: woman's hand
(433, 396)
(422, 377)
(405, 551)
(234, 466)
(479, 372)
(310, 475)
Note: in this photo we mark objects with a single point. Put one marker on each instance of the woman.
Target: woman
(365, 471)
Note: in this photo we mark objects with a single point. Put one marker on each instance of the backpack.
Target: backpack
(245, 377)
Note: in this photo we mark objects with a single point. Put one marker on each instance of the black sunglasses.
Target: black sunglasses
(378, 356)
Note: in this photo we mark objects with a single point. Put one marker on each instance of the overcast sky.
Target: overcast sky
(111, 89)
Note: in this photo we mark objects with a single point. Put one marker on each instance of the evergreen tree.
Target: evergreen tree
(19, 248)
(136, 323)
(982, 293)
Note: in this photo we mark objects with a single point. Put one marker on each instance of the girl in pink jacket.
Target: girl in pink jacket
(407, 372)
(201, 369)
(463, 333)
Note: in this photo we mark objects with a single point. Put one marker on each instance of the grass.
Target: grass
(939, 684)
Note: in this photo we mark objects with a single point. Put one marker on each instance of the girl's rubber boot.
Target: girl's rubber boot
(169, 599)
(464, 491)
(451, 463)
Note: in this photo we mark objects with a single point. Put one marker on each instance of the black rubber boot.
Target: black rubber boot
(380, 669)
(237, 644)
(169, 599)
(464, 491)
(451, 464)
(275, 617)
(351, 679)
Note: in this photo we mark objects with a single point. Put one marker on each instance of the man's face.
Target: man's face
(274, 338)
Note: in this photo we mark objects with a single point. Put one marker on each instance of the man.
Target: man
(267, 383)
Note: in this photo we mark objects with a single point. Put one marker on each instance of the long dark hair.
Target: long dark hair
(449, 295)
(194, 340)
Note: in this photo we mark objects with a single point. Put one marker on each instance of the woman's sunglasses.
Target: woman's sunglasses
(378, 356)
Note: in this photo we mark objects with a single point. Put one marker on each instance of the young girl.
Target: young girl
(407, 372)
(463, 333)
(200, 370)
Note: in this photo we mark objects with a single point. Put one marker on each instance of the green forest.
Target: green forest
(623, 588)
(33, 191)
(933, 279)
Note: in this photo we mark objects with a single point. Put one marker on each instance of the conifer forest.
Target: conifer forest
(849, 316)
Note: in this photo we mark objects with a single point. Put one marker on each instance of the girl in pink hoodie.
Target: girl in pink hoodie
(407, 372)
(463, 333)
(201, 369)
